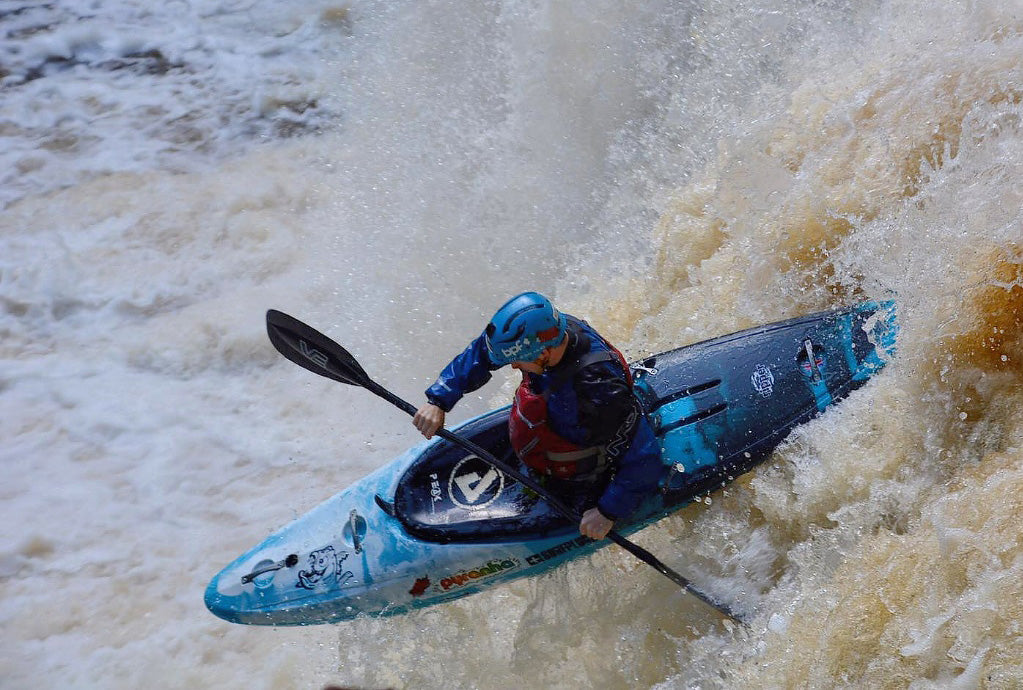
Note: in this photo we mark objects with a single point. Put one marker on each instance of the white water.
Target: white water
(389, 173)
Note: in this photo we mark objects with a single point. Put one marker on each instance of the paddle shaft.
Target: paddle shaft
(317, 353)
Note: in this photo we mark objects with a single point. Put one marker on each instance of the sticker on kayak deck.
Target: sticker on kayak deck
(474, 484)
(421, 585)
(435, 492)
(488, 569)
(323, 569)
(763, 380)
(555, 551)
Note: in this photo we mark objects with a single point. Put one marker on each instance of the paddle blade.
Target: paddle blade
(310, 349)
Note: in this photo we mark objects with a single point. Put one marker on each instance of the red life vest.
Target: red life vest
(536, 443)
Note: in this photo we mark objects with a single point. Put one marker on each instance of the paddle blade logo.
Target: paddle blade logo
(474, 484)
(312, 354)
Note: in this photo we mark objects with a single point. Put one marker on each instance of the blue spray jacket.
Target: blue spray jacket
(597, 408)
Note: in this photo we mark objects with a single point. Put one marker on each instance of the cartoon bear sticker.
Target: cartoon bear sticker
(323, 569)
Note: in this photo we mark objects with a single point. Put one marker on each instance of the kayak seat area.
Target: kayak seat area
(450, 495)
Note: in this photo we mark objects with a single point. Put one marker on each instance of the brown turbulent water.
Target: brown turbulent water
(671, 173)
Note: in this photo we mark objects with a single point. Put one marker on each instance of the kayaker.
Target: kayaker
(574, 421)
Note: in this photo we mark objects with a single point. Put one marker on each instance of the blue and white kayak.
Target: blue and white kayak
(439, 523)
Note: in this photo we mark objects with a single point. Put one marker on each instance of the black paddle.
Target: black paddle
(310, 349)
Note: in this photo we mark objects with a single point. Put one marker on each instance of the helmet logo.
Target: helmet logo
(516, 348)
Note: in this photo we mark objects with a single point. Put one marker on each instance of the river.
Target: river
(390, 172)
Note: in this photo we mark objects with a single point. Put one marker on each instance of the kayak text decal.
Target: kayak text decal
(324, 568)
(435, 492)
(763, 380)
(547, 554)
(491, 568)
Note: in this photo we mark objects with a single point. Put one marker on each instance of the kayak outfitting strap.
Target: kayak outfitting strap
(289, 562)
(353, 524)
(811, 359)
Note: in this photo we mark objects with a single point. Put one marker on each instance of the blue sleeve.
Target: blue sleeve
(466, 372)
(638, 473)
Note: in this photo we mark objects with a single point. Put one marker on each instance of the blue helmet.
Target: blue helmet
(523, 327)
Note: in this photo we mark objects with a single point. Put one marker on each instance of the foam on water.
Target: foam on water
(94, 88)
(670, 173)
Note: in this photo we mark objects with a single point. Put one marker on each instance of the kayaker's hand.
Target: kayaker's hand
(594, 525)
(429, 419)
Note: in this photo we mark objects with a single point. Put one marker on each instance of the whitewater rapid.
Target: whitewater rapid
(390, 172)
